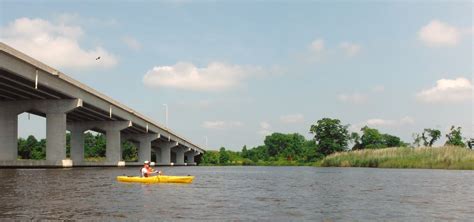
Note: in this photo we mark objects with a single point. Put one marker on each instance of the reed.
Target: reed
(447, 157)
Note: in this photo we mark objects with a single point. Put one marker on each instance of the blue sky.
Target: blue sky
(235, 71)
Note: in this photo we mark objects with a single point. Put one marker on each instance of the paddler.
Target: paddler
(146, 171)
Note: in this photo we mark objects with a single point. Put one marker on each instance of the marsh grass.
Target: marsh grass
(447, 157)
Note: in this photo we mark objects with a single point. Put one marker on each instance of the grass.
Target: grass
(447, 157)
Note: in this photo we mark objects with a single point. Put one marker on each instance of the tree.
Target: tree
(210, 157)
(430, 136)
(392, 141)
(223, 156)
(355, 138)
(284, 145)
(39, 153)
(130, 151)
(455, 137)
(371, 138)
(330, 135)
(416, 139)
(244, 152)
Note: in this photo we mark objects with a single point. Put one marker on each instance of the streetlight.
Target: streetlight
(166, 107)
(206, 141)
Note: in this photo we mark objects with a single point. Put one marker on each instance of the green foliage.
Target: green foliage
(355, 138)
(416, 139)
(129, 152)
(330, 135)
(430, 136)
(455, 137)
(288, 146)
(210, 158)
(373, 139)
(94, 145)
(31, 148)
(223, 156)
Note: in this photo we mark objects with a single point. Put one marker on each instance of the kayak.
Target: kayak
(156, 179)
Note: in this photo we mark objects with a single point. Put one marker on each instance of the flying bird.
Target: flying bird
(97, 58)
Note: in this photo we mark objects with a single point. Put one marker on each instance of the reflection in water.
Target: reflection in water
(240, 193)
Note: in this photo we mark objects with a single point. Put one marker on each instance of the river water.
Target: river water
(240, 194)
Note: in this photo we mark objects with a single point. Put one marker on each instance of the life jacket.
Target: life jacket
(148, 171)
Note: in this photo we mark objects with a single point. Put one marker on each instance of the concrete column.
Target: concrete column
(56, 127)
(55, 136)
(8, 134)
(113, 149)
(180, 155)
(165, 148)
(190, 157)
(55, 111)
(144, 150)
(157, 154)
(77, 145)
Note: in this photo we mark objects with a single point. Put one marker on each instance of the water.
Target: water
(240, 193)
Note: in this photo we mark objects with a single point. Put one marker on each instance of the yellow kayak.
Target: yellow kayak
(156, 179)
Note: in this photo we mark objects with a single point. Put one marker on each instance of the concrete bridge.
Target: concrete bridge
(27, 85)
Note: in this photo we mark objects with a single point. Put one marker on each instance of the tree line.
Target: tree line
(329, 136)
(94, 147)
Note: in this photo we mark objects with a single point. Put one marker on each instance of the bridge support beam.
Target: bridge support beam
(165, 152)
(55, 111)
(77, 144)
(8, 134)
(113, 150)
(190, 157)
(180, 155)
(144, 147)
(144, 151)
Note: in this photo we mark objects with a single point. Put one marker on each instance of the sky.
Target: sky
(236, 71)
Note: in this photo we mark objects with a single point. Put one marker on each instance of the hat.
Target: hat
(146, 162)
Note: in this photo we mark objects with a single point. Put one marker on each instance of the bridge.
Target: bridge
(27, 85)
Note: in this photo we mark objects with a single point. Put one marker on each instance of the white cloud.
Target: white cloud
(265, 129)
(355, 98)
(221, 125)
(448, 91)
(215, 77)
(131, 43)
(317, 46)
(388, 122)
(437, 33)
(350, 49)
(56, 44)
(292, 118)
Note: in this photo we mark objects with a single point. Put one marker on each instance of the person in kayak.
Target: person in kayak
(146, 171)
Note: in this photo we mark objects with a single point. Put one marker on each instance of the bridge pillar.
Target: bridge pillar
(55, 111)
(190, 157)
(113, 149)
(8, 134)
(144, 146)
(144, 151)
(56, 128)
(55, 136)
(77, 142)
(157, 154)
(180, 155)
(165, 152)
